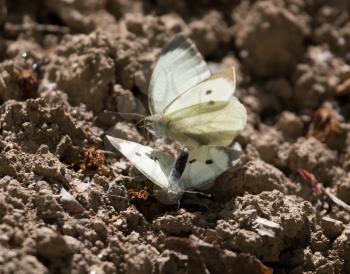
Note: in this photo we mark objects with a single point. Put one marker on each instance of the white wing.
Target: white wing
(219, 87)
(211, 123)
(206, 163)
(179, 68)
(155, 165)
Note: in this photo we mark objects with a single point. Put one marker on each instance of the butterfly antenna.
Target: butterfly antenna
(198, 193)
(131, 114)
(138, 115)
(140, 121)
(118, 196)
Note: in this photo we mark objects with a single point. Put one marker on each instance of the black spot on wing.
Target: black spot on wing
(137, 153)
(209, 162)
(192, 161)
(210, 103)
(209, 91)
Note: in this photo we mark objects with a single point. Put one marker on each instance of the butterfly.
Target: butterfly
(191, 169)
(187, 104)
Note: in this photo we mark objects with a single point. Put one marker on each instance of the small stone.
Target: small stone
(72, 243)
(69, 203)
(100, 228)
(319, 242)
(290, 124)
(331, 228)
(343, 88)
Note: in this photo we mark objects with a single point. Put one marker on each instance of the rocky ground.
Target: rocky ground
(70, 204)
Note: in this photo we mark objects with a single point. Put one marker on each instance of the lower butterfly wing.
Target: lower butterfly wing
(206, 163)
(155, 165)
(179, 67)
(211, 123)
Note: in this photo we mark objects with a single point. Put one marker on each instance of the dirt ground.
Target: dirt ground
(71, 204)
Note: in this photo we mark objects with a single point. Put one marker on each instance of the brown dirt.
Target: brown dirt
(67, 205)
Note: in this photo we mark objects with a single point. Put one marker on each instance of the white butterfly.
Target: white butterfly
(194, 169)
(187, 104)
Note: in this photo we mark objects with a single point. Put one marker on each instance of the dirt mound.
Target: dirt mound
(73, 71)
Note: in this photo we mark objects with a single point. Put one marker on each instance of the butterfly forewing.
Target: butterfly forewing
(219, 87)
(179, 68)
(154, 165)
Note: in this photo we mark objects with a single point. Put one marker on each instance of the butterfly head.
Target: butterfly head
(154, 123)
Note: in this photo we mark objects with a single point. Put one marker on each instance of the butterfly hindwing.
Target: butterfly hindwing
(179, 68)
(206, 163)
(210, 123)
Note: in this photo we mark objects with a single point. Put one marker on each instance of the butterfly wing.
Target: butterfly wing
(219, 87)
(155, 165)
(206, 163)
(179, 68)
(210, 123)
